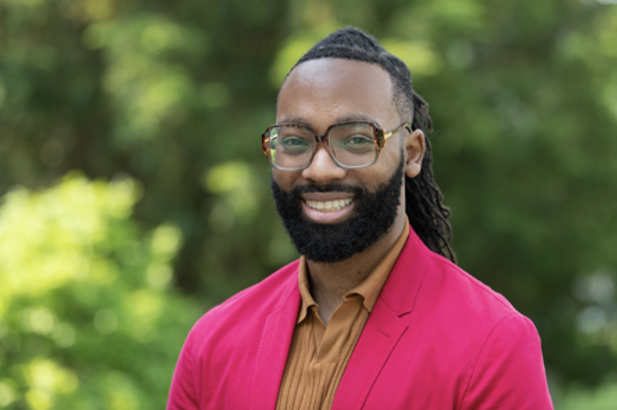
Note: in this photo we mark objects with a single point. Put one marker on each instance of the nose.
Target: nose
(323, 169)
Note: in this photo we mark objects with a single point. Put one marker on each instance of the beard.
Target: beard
(372, 217)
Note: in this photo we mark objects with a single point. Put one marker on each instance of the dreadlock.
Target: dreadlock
(428, 216)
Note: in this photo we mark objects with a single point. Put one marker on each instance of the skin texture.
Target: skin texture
(326, 91)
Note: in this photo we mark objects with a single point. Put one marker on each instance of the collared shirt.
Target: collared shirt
(319, 353)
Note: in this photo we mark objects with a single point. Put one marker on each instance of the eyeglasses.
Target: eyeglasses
(353, 144)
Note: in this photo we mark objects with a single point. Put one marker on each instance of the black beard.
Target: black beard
(374, 214)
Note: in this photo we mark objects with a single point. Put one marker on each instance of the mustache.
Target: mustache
(333, 187)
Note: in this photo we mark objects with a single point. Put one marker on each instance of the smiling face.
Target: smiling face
(331, 212)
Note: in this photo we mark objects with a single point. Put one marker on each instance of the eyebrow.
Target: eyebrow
(338, 120)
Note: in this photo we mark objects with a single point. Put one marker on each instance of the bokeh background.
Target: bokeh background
(134, 195)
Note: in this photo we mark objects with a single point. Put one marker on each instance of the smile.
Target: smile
(328, 206)
(327, 210)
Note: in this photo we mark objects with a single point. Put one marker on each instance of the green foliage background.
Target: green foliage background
(159, 106)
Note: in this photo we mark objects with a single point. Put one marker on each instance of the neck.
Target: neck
(331, 281)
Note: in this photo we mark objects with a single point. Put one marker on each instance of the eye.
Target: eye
(292, 141)
(358, 142)
(358, 139)
(293, 144)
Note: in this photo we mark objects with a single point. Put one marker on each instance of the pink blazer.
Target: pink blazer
(436, 339)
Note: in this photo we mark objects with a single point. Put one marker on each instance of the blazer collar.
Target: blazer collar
(385, 326)
(274, 343)
(405, 281)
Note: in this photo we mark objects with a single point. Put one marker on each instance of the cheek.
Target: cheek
(374, 177)
(389, 159)
(390, 156)
(284, 179)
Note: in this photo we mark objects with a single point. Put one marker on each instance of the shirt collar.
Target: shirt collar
(305, 294)
(368, 289)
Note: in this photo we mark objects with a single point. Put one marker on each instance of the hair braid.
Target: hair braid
(427, 214)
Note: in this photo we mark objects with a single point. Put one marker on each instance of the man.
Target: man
(373, 315)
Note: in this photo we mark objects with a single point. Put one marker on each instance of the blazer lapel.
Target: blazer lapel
(381, 333)
(273, 348)
(385, 326)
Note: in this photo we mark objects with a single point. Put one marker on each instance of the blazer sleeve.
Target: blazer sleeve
(509, 370)
(183, 392)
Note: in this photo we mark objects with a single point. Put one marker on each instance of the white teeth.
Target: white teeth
(329, 205)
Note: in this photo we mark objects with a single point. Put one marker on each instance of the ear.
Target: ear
(415, 148)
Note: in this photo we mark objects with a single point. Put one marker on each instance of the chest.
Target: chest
(412, 372)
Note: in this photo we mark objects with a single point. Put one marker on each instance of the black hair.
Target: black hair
(427, 214)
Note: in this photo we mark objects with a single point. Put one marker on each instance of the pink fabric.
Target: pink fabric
(436, 339)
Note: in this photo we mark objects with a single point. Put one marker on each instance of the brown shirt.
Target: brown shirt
(319, 353)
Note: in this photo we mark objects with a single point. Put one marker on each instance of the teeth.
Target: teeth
(329, 205)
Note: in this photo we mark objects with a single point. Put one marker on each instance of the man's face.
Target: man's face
(332, 213)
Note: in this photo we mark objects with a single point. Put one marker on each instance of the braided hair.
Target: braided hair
(427, 214)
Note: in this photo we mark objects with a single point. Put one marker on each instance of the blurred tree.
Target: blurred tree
(603, 398)
(175, 95)
(86, 317)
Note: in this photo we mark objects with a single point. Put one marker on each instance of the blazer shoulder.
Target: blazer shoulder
(461, 292)
(270, 288)
(251, 305)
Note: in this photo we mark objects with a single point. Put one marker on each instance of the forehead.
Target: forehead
(327, 90)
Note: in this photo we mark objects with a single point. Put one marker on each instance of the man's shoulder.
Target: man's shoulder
(444, 288)
(460, 304)
(435, 287)
(282, 280)
(466, 291)
(247, 308)
(470, 338)
(460, 317)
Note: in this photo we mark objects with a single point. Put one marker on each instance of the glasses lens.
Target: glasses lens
(353, 145)
(291, 147)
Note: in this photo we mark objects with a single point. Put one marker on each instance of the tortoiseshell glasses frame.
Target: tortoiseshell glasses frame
(349, 135)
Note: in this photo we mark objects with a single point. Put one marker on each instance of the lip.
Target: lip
(323, 216)
(326, 196)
